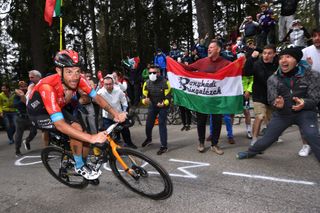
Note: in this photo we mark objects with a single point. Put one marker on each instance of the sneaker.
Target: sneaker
(147, 142)
(11, 142)
(88, 173)
(305, 150)
(279, 140)
(253, 141)
(183, 128)
(231, 141)
(217, 150)
(26, 145)
(245, 155)
(209, 138)
(162, 150)
(249, 135)
(18, 154)
(188, 128)
(201, 147)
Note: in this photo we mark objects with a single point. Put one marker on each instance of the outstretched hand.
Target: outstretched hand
(299, 104)
(279, 102)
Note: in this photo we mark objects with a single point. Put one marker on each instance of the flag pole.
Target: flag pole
(61, 28)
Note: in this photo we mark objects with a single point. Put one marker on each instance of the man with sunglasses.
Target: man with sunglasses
(156, 91)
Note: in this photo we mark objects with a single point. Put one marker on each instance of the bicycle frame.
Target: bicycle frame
(114, 147)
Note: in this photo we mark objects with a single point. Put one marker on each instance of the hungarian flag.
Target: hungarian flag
(209, 93)
(52, 9)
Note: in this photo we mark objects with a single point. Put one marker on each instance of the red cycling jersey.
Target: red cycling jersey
(53, 97)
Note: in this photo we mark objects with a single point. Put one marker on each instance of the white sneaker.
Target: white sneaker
(253, 141)
(279, 140)
(305, 150)
(88, 173)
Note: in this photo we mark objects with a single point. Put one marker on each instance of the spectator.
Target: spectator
(261, 68)
(294, 103)
(145, 73)
(312, 53)
(156, 93)
(175, 53)
(117, 99)
(267, 26)
(7, 111)
(297, 34)
(212, 63)
(22, 121)
(288, 9)
(186, 58)
(160, 60)
(201, 49)
(249, 28)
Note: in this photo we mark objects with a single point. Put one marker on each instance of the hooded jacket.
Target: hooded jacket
(304, 84)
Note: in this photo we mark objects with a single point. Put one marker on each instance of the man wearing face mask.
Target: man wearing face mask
(23, 122)
(297, 34)
(156, 91)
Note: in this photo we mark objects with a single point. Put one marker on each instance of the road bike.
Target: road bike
(134, 169)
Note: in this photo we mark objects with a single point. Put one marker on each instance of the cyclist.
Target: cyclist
(47, 108)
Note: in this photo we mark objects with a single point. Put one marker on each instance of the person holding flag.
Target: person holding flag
(213, 87)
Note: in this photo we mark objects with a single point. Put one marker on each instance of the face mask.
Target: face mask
(153, 77)
(239, 43)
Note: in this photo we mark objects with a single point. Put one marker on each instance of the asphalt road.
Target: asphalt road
(277, 181)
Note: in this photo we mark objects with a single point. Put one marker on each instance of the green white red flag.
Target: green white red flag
(52, 9)
(209, 93)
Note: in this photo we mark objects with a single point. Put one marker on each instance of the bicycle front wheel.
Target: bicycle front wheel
(148, 178)
(60, 164)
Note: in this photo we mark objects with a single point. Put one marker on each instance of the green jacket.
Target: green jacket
(145, 74)
(6, 103)
(247, 82)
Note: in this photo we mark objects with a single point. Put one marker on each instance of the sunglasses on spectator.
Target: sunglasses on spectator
(152, 73)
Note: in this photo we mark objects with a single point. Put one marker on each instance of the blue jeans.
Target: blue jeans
(153, 111)
(9, 119)
(227, 120)
(307, 121)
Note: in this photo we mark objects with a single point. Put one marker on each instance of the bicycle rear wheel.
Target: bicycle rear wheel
(150, 179)
(60, 164)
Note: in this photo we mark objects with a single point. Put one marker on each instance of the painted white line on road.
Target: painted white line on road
(19, 162)
(183, 169)
(270, 178)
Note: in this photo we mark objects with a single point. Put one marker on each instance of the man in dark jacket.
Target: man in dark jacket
(156, 92)
(23, 121)
(294, 92)
(261, 68)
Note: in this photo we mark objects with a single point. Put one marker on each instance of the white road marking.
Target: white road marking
(269, 178)
(183, 169)
(19, 162)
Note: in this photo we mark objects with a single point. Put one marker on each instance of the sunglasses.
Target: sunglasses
(152, 73)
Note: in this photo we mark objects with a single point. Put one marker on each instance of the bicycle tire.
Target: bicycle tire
(60, 164)
(158, 176)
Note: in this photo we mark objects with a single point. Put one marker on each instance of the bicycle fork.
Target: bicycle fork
(125, 167)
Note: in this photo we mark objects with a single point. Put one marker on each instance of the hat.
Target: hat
(250, 40)
(295, 52)
(296, 21)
